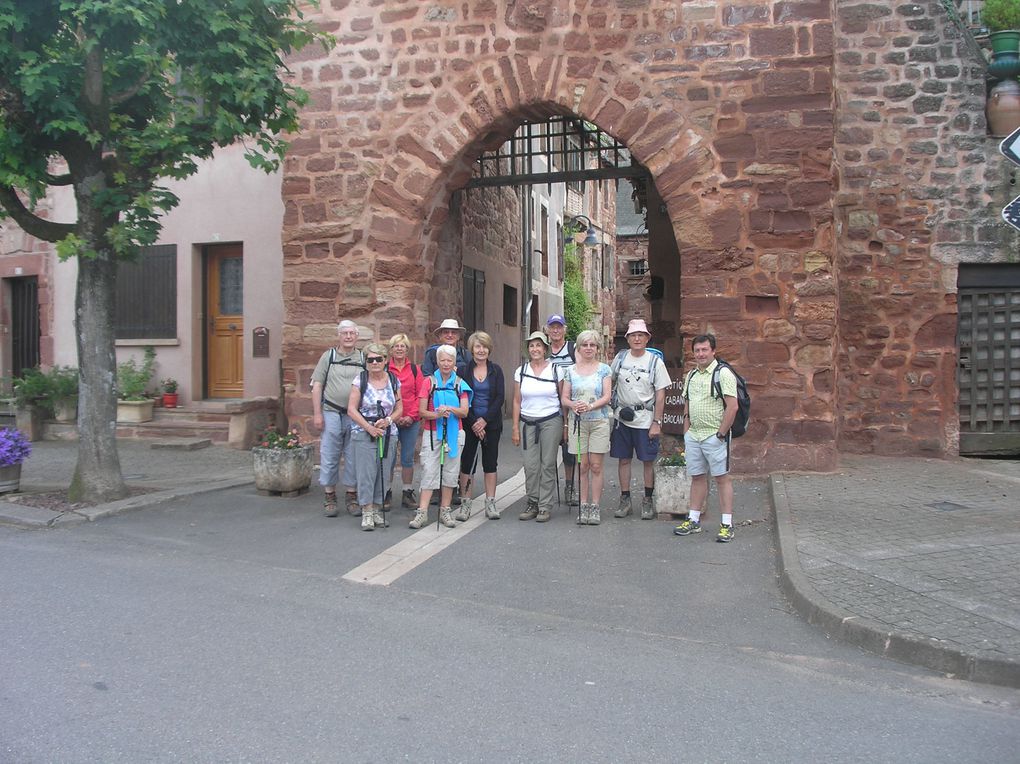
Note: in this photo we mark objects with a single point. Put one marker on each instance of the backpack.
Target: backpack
(739, 426)
(555, 373)
(343, 362)
(618, 362)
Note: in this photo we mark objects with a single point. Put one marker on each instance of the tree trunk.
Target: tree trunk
(97, 477)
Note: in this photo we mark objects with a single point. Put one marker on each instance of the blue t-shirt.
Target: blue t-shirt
(480, 405)
(589, 389)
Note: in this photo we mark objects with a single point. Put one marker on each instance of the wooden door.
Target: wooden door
(224, 278)
(24, 325)
(989, 363)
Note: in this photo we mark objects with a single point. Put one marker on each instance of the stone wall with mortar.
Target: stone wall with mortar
(919, 190)
(730, 106)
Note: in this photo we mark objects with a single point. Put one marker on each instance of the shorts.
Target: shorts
(710, 455)
(626, 441)
(593, 435)
(430, 464)
(408, 437)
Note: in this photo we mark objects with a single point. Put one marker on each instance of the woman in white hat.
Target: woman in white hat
(538, 425)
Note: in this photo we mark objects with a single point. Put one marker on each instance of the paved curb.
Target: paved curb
(90, 514)
(863, 632)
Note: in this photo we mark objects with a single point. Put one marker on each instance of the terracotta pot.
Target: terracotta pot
(283, 470)
(10, 478)
(169, 400)
(1003, 108)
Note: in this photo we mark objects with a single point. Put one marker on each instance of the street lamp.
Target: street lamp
(591, 239)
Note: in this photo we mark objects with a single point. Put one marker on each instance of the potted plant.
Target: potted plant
(169, 393)
(282, 463)
(133, 405)
(14, 449)
(31, 402)
(672, 484)
(64, 393)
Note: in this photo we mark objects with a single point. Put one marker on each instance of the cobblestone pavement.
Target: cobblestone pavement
(917, 559)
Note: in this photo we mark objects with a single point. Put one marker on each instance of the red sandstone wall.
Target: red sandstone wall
(917, 177)
(729, 106)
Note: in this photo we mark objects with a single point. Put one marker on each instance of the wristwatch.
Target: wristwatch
(657, 421)
(720, 436)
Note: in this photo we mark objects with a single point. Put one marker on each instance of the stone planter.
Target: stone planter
(66, 411)
(283, 471)
(29, 419)
(10, 478)
(672, 490)
(134, 412)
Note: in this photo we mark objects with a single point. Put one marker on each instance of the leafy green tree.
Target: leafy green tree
(109, 96)
(577, 306)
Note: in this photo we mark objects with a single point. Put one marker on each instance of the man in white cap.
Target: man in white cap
(640, 380)
(331, 389)
(449, 332)
(561, 353)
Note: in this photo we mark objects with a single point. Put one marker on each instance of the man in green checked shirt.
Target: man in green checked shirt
(707, 425)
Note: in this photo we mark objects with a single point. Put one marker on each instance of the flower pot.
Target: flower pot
(672, 490)
(10, 478)
(1003, 108)
(134, 412)
(285, 471)
(1005, 41)
(66, 410)
(29, 420)
(169, 400)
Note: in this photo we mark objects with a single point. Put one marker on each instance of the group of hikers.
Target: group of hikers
(566, 402)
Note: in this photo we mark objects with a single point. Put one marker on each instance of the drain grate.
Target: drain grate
(947, 506)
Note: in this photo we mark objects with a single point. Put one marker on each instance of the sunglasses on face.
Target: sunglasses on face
(375, 359)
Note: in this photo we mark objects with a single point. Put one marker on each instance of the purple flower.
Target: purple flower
(14, 447)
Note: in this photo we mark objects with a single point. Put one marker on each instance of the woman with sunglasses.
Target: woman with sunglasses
(374, 405)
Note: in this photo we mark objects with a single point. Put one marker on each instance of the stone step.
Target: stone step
(182, 444)
(189, 414)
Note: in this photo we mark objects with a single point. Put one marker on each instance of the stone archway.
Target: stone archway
(412, 94)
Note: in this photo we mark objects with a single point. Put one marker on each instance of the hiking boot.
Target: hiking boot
(725, 533)
(491, 513)
(409, 500)
(329, 504)
(582, 515)
(367, 524)
(352, 504)
(594, 517)
(624, 508)
(543, 515)
(571, 496)
(687, 527)
(378, 517)
(463, 512)
(446, 518)
(388, 499)
(420, 519)
(530, 512)
(647, 510)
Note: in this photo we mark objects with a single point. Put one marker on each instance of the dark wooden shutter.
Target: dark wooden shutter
(147, 295)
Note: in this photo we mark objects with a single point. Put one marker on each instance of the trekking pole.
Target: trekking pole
(577, 466)
(381, 450)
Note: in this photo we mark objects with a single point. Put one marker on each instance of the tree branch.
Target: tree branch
(29, 222)
(59, 180)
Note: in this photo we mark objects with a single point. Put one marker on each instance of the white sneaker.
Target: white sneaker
(491, 513)
(446, 517)
(463, 512)
(420, 519)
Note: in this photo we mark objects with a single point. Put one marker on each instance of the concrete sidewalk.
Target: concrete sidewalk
(914, 559)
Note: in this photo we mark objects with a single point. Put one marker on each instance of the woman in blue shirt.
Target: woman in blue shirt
(484, 424)
(587, 390)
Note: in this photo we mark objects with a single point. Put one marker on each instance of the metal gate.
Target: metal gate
(988, 334)
(24, 324)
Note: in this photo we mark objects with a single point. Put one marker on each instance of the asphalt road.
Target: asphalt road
(218, 628)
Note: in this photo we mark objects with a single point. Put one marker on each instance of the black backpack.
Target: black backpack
(743, 396)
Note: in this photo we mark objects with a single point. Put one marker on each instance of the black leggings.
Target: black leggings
(490, 451)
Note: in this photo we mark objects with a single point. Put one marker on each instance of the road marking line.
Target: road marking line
(406, 555)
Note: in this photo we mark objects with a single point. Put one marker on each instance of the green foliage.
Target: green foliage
(272, 438)
(132, 379)
(32, 388)
(577, 307)
(129, 91)
(1000, 15)
(63, 383)
(169, 385)
(674, 459)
